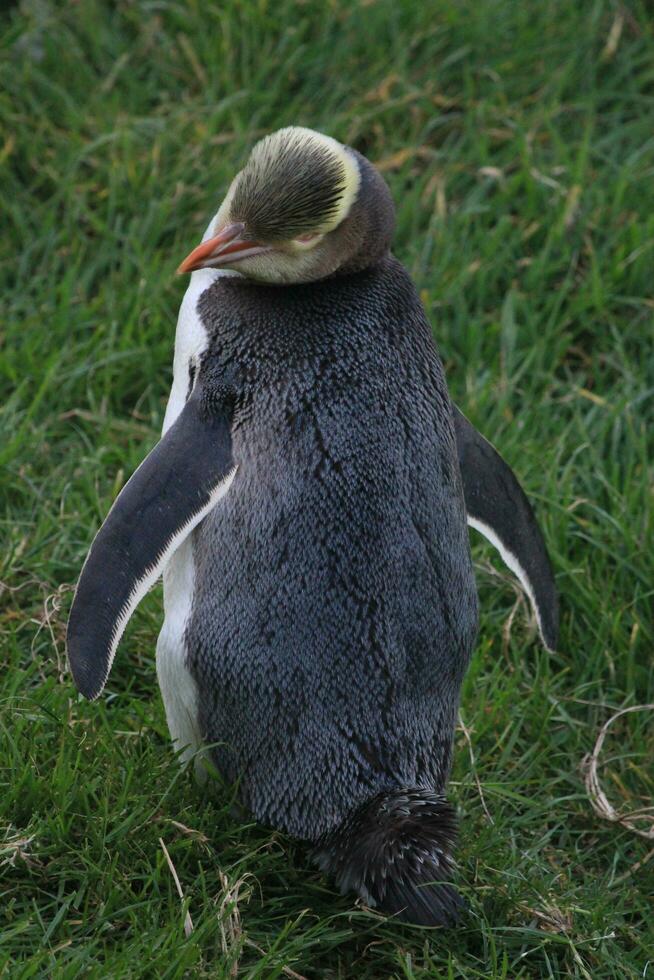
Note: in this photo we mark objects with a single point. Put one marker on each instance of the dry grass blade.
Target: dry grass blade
(613, 38)
(189, 831)
(397, 160)
(598, 798)
(188, 921)
(551, 919)
(466, 734)
(229, 916)
(16, 847)
(633, 869)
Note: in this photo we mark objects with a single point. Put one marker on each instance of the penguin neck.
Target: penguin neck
(235, 310)
(367, 232)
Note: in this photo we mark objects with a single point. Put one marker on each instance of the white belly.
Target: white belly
(178, 689)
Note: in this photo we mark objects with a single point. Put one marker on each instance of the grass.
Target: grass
(517, 139)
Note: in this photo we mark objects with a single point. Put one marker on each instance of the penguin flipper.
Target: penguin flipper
(175, 486)
(498, 507)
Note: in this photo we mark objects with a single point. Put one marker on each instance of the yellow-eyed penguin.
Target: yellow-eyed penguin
(308, 507)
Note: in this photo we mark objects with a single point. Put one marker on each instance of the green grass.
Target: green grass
(518, 142)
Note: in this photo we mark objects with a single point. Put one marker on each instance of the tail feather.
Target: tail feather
(395, 851)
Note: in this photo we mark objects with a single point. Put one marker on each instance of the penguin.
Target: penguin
(308, 507)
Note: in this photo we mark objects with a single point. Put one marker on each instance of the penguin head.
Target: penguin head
(304, 207)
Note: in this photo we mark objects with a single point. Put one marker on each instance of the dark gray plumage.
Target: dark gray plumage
(336, 605)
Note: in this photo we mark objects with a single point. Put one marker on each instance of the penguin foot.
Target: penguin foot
(395, 851)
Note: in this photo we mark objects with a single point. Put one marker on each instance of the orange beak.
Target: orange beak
(226, 247)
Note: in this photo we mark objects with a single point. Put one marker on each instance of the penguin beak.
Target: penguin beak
(226, 247)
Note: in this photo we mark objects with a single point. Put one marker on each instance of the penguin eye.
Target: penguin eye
(304, 242)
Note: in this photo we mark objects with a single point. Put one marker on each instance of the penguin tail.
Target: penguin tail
(395, 851)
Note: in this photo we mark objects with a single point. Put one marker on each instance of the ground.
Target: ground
(517, 140)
